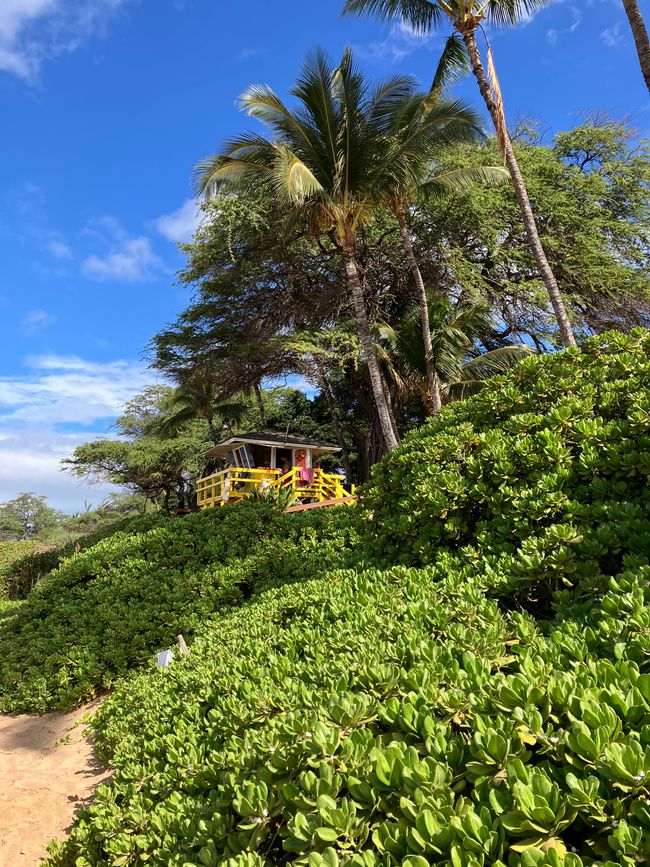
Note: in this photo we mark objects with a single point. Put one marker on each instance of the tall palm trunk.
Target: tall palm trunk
(334, 413)
(365, 336)
(640, 37)
(432, 379)
(260, 405)
(468, 32)
(214, 435)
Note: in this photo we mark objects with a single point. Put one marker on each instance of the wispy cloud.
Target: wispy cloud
(554, 34)
(130, 261)
(248, 53)
(180, 225)
(38, 320)
(32, 31)
(401, 41)
(42, 413)
(59, 249)
(612, 36)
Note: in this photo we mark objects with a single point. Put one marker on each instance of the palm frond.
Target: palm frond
(464, 180)
(473, 375)
(421, 15)
(294, 181)
(453, 64)
(262, 103)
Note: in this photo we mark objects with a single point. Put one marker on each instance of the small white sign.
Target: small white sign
(165, 659)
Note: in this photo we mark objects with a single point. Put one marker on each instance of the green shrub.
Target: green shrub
(476, 694)
(544, 475)
(384, 718)
(9, 553)
(109, 608)
(37, 561)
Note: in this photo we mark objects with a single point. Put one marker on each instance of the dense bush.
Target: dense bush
(111, 607)
(394, 717)
(479, 695)
(544, 475)
(9, 553)
(36, 561)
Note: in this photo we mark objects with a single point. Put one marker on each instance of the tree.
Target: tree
(330, 162)
(458, 356)
(435, 124)
(466, 17)
(197, 397)
(590, 186)
(148, 459)
(27, 516)
(640, 33)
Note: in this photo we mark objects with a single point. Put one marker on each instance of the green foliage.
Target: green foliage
(9, 553)
(109, 608)
(27, 516)
(25, 571)
(484, 703)
(543, 476)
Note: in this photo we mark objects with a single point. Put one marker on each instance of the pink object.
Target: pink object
(306, 474)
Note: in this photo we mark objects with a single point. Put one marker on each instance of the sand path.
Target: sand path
(42, 782)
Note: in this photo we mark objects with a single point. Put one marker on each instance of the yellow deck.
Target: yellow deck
(235, 484)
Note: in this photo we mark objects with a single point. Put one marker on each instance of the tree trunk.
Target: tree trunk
(214, 436)
(468, 32)
(365, 336)
(432, 379)
(336, 420)
(260, 405)
(640, 37)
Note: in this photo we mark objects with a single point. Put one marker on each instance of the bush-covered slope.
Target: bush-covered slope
(109, 608)
(394, 717)
(10, 552)
(544, 475)
(35, 561)
(479, 695)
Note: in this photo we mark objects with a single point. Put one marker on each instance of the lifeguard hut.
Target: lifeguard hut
(268, 460)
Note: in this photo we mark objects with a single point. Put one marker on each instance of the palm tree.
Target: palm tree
(456, 331)
(640, 37)
(438, 124)
(330, 162)
(466, 17)
(195, 398)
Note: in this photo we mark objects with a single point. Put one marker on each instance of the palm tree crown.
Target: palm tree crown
(345, 149)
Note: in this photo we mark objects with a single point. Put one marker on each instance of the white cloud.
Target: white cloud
(612, 36)
(180, 225)
(32, 462)
(129, 260)
(38, 320)
(553, 35)
(401, 41)
(59, 249)
(248, 53)
(32, 31)
(55, 391)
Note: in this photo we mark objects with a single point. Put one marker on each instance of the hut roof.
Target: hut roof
(271, 438)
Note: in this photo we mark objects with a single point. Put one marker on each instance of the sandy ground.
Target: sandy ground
(42, 782)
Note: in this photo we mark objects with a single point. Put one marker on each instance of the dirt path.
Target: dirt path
(42, 782)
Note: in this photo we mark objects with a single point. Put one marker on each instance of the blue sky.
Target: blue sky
(106, 105)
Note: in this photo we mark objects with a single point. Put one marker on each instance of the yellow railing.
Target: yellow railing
(235, 484)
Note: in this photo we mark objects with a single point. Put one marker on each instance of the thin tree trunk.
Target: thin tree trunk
(640, 37)
(260, 405)
(432, 379)
(336, 420)
(365, 336)
(389, 403)
(214, 436)
(468, 33)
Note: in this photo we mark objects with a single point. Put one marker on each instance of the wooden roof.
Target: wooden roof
(271, 438)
